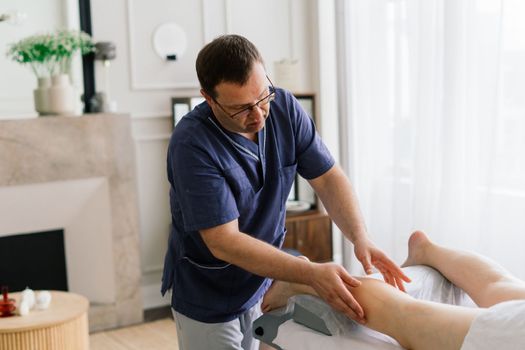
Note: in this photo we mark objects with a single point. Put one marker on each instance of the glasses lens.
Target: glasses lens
(263, 102)
(242, 114)
(266, 100)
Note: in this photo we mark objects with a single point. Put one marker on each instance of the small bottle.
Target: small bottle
(7, 306)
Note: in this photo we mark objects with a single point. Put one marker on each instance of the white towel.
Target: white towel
(500, 327)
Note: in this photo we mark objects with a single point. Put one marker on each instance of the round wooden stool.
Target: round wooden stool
(64, 325)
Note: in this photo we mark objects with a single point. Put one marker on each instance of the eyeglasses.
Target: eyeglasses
(245, 111)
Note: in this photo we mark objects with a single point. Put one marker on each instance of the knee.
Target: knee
(375, 294)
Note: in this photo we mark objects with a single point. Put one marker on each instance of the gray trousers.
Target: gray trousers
(232, 335)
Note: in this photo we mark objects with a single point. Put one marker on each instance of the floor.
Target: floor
(157, 332)
(153, 334)
(156, 335)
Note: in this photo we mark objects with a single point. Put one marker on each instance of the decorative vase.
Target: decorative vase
(55, 96)
(61, 94)
(40, 95)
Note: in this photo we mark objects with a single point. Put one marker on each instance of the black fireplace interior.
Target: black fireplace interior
(35, 260)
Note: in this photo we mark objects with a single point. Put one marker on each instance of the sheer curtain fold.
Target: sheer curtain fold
(437, 123)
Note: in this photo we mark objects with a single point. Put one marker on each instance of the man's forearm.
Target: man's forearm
(256, 256)
(336, 192)
(329, 280)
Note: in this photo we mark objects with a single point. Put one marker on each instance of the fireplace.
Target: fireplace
(78, 175)
(82, 208)
(36, 260)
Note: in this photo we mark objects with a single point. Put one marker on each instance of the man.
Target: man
(231, 164)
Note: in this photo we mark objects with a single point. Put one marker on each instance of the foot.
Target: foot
(277, 296)
(417, 244)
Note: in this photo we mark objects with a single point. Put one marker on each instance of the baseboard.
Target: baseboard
(152, 298)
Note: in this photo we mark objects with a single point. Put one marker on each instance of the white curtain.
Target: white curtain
(434, 101)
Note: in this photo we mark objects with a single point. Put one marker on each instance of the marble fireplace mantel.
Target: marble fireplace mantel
(93, 156)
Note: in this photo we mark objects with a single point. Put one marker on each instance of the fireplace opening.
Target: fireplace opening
(35, 260)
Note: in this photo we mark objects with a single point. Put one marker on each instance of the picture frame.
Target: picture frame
(302, 193)
(180, 106)
(307, 101)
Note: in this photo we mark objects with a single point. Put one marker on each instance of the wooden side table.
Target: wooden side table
(64, 325)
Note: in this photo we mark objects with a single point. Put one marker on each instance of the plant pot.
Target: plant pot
(40, 95)
(62, 95)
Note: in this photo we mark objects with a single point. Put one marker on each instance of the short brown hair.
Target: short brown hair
(227, 58)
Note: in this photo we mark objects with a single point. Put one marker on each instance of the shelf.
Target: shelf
(310, 233)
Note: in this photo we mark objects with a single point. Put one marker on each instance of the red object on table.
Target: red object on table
(7, 306)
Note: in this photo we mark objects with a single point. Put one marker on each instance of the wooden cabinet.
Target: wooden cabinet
(310, 234)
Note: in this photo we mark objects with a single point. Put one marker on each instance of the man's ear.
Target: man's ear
(208, 98)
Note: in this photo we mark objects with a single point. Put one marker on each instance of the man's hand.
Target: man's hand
(332, 283)
(369, 255)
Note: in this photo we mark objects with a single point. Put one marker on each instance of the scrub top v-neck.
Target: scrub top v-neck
(217, 176)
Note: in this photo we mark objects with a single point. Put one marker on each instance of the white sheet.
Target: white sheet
(427, 284)
(501, 327)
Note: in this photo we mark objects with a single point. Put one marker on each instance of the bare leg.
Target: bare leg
(486, 282)
(413, 323)
(280, 291)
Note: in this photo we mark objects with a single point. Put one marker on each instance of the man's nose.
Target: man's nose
(256, 110)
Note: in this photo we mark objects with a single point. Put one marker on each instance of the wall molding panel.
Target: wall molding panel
(163, 75)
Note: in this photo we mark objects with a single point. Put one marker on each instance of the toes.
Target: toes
(264, 306)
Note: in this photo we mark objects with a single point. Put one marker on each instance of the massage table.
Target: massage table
(307, 322)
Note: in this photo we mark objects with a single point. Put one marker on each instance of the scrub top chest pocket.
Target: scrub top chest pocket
(240, 186)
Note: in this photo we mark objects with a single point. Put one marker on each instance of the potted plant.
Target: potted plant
(49, 56)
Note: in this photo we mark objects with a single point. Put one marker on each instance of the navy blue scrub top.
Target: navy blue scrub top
(217, 176)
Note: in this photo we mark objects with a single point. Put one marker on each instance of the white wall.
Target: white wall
(142, 83)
